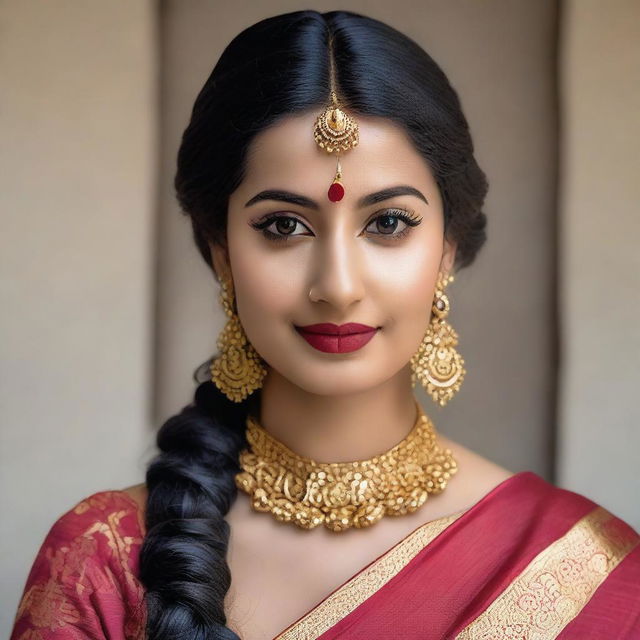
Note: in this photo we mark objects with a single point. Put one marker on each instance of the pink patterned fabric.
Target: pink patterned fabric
(494, 546)
(84, 581)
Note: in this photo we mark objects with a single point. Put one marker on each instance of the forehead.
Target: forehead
(286, 156)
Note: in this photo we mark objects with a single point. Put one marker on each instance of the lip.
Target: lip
(332, 338)
(329, 328)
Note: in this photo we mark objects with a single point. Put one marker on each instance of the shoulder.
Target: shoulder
(86, 570)
(138, 493)
(111, 512)
(106, 526)
(539, 503)
(476, 475)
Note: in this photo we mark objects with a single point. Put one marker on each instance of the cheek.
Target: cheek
(266, 287)
(261, 294)
(406, 281)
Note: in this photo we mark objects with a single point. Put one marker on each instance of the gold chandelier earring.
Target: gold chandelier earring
(437, 364)
(239, 370)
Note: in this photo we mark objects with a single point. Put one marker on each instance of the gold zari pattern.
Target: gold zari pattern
(341, 495)
(365, 584)
(86, 568)
(556, 584)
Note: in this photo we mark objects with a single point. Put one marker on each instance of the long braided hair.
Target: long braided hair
(276, 67)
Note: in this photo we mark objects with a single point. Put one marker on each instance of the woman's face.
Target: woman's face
(315, 261)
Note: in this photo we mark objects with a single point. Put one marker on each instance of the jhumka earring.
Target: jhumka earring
(334, 130)
(238, 371)
(436, 364)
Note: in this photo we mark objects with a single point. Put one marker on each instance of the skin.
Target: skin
(332, 407)
(339, 266)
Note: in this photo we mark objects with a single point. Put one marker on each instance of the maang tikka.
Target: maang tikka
(335, 131)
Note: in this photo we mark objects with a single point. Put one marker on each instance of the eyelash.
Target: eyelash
(402, 214)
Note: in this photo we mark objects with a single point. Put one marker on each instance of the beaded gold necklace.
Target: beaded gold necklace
(341, 495)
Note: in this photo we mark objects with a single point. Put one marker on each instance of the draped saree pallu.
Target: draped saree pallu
(528, 561)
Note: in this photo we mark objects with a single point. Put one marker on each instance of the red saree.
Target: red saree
(528, 561)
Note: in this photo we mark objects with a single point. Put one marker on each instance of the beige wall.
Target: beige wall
(81, 371)
(599, 436)
(76, 191)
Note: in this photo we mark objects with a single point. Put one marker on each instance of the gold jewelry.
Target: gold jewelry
(238, 371)
(335, 131)
(341, 495)
(437, 364)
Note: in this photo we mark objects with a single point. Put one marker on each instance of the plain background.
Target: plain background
(107, 308)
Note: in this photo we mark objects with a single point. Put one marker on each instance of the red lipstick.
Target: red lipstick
(333, 338)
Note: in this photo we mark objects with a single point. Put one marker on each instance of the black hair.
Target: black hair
(277, 67)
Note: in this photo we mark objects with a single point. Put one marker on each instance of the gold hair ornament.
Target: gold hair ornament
(335, 131)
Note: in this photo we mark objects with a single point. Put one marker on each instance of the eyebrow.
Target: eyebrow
(365, 201)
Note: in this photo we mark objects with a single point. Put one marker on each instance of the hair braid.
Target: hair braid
(191, 488)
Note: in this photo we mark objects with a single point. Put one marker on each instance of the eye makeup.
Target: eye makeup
(409, 218)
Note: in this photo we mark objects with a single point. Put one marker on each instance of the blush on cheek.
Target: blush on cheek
(265, 305)
(413, 293)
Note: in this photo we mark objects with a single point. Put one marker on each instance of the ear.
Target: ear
(448, 256)
(221, 262)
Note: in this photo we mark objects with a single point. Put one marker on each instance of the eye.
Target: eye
(282, 227)
(279, 228)
(385, 225)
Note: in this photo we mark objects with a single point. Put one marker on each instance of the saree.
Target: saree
(527, 561)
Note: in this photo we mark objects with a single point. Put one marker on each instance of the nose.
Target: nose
(337, 270)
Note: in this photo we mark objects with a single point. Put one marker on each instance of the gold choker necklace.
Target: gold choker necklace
(342, 495)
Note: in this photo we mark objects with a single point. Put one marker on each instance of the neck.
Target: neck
(338, 428)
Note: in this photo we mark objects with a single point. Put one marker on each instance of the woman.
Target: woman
(328, 171)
